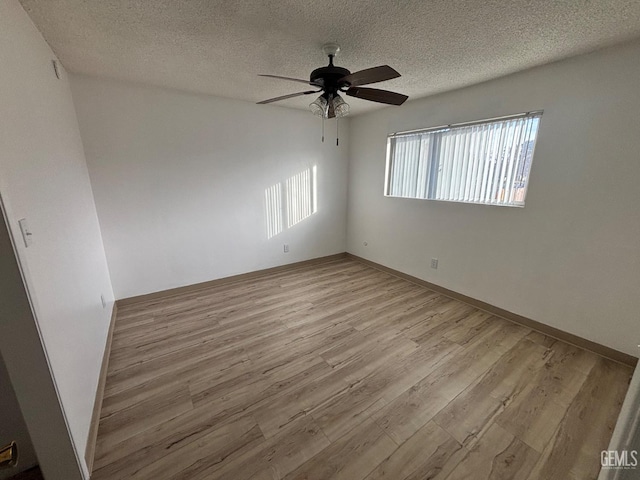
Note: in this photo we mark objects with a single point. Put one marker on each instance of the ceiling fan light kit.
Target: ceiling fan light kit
(331, 80)
(329, 106)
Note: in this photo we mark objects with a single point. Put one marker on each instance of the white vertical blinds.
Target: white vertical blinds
(481, 162)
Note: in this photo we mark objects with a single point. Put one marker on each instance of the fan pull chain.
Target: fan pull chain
(337, 139)
(323, 129)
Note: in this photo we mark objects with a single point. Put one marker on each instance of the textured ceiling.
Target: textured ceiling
(219, 47)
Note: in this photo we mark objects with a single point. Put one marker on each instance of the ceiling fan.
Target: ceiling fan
(331, 80)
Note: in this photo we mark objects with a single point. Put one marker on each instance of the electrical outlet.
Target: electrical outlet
(104, 302)
(434, 263)
(286, 248)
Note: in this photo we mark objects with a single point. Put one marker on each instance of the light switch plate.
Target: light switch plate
(27, 236)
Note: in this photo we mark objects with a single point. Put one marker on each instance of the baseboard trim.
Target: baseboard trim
(90, 451)
(575, 340)
(580, 342)
(234, 278)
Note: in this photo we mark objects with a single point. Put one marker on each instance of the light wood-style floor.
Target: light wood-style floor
(340, 371)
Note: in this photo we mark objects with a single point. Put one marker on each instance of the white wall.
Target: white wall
(571, 257)
(29, 370)
(44, 178)
(179, 182)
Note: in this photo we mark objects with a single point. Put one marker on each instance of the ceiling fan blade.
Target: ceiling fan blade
(370, 75)
(308, 82)
(376, 95)
(291, 95)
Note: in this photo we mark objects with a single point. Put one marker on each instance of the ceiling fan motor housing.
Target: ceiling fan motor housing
(328, 77)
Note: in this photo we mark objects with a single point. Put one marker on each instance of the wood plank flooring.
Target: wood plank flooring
(341, 371)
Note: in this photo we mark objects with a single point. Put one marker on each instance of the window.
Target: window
(478, 162)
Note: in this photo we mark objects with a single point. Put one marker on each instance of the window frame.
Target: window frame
(447, 127)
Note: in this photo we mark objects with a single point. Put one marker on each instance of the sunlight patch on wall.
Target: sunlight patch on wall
(300, 197)
(273, 202)
(297, 201)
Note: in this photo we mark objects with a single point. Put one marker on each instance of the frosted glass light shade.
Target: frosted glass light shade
(319, 107)
(340, 107)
